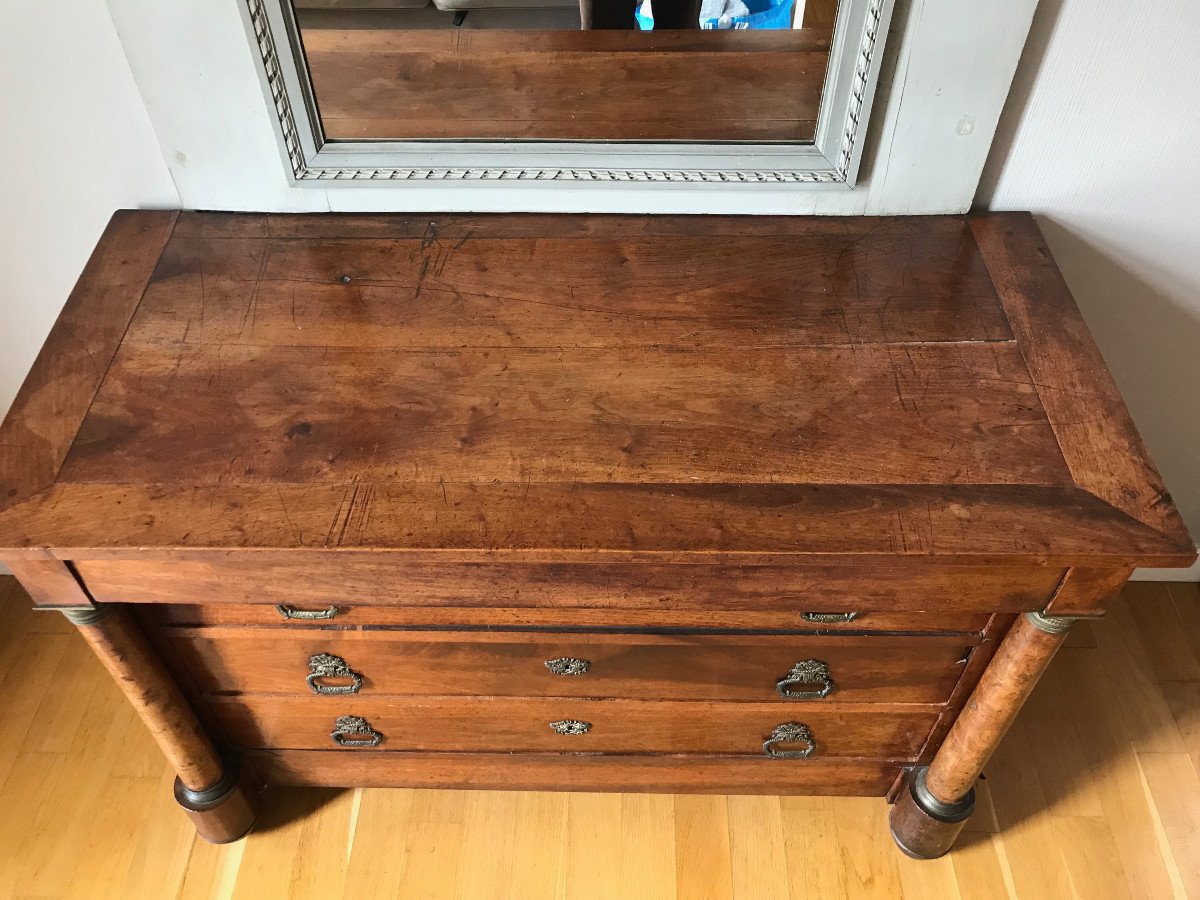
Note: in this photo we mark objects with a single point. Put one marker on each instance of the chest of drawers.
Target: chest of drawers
(576, 502)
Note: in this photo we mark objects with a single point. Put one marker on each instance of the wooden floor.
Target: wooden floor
(1093, 794)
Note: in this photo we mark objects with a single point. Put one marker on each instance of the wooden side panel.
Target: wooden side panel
(576, 772)
(49, 582)
(1086, 592)
(517, 725)
(1103, 449)
(46, 413)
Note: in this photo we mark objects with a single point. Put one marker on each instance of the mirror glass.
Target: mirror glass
(567, 70)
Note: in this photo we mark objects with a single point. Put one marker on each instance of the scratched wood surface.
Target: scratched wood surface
(599, 386)
(1093, 794)
(375, 83)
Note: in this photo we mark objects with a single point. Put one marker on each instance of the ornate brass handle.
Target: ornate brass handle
(568, 665)
(828, 618)
(807, 671)
(291, 612)
(790, 733)
(326, 665)
(571, 726)
(349, 731)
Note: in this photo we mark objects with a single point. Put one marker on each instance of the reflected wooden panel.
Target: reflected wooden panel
(388, 84)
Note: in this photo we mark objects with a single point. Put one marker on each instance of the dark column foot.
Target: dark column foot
(923, 826)
(226, 811)
(460, 17)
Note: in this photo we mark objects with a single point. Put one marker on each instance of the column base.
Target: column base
(924, 827)
(226, 811)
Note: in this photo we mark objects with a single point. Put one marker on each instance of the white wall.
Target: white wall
(77, 144)
(1101, 138)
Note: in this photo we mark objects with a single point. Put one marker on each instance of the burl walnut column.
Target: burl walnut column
(221, 798)
(940, 797)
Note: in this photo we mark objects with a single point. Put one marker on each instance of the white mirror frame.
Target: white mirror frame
(830, 162)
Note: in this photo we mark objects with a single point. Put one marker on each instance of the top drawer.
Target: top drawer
(342, 617)
(365, 579)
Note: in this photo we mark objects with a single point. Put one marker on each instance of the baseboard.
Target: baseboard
(1192, 574)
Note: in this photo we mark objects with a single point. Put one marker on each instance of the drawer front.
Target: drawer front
(669, 667)
(312, 616)
(578, 772)
(571, 726)
(357, 580)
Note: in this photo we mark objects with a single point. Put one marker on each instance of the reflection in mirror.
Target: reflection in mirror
(567, 70)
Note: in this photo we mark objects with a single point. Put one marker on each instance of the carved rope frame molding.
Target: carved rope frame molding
(831, 161)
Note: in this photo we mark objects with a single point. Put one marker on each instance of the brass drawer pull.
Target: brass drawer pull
(348, 731)
(807, 671)
(828, 618)
(326, 665)
(291, 612)
(790, 733)
(568, 665)
(571, 726)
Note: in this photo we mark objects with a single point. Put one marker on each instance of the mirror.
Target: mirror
(518, 91)
(661, 71)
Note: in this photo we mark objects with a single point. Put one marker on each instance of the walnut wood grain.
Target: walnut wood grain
(1086, 592)
(49, 582)
(975, 665)
(779, 590)
(490, 284)
(578, 772)
(919, 834)
(356, 415)
(745, 524)
(845, 243)
(894, 731)
(558, 618)
(231, 816)
(1103, 449)
(1019, 662)
(129, 659)
(567, 85)
(965, 414)
(632, 666)
(47, 411)
(590, 423)
(933, 806)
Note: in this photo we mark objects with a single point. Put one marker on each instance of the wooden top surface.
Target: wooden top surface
(578, 387)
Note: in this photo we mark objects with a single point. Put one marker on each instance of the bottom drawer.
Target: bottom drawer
(576, 772)
(574, 726)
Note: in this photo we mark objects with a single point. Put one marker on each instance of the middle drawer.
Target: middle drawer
(880, 669)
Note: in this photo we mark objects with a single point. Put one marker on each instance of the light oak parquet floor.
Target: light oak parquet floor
(1093, 794)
